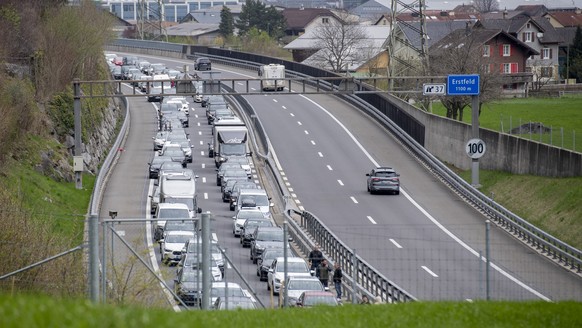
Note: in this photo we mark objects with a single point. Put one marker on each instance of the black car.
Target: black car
(265, 259)
(202, 64)
(264, 238)
(186, 286)
(249, 227)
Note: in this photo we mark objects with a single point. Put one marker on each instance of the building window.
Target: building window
(546, 53)
(528, 25)
(528, 37)
(506, 50)
(325, 20)
(486, 51)
(508, 68)
(546, 71)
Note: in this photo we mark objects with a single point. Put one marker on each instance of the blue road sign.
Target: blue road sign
(463, 85)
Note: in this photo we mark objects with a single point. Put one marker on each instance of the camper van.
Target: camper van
(272, 77)
(160, 87)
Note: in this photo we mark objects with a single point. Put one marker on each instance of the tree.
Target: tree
(226, 26)
(339, 42)
(255, 14)
(575, 56)
(461, 53)
(486, 6)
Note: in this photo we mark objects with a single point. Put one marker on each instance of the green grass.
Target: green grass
(35, 311)
(559, 113)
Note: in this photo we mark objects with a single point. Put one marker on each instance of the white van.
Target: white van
(254, 198)
(159, 87)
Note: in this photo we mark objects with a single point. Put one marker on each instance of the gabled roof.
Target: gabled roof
(210, 15)
(191, 29)
(436, 30)
(516, 24)
(502, 14)
(298, 18)
(533, 10)
(479, 36)
(551, 35)
(567, 18)
(377, 34)
(370, 9)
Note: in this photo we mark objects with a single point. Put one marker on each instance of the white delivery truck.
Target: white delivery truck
(229, 140)
(272, 77)
(180, 187)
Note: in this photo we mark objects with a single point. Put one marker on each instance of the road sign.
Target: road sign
(475, 148)
(429, 89)
(463, 85)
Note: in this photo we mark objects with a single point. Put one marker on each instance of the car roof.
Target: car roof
(172, 206)
(180, 232)
(384, 168)
(274, 228)
(317, 293)
(252, 192)
(291, 259)
(223, 284)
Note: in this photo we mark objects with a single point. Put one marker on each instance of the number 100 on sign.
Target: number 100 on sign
(475, 148)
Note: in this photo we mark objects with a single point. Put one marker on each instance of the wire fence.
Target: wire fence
(537, 131)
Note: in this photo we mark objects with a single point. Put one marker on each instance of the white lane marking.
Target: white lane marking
(275, 100)
(301, 208)
(239, 83)
(283, 107)
(201, 142)
(340, 182)
(290, 189)
(253, 89)
(299, 122)
(371, 220)
(202, 153)
(292, 115)
(287, 184)
(395, 243)
(354, 199)
(285, 178)
(203, 165)
(320, 154)
(196, 116)
(293, 195)
(329, 168)
(205, 195)
(203, 179)
(199, 133)
(312, 142)
(430, 217)
(306, 132)
(214, 236)
(429, 271)
(198, 123)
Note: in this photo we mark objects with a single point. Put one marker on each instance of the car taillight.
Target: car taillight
(376, 179)
(395, 179)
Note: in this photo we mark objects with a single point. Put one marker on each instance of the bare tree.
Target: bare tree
(461, 52)
(542, 73)
(339, 43)
(486, 6)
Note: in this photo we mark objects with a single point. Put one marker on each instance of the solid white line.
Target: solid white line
(329, 168)
(340, 182)
(429, 271)
(371, 220)
(395, 243)
(420, 208)
(353, 199)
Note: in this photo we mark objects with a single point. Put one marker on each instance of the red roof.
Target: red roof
(567, 18)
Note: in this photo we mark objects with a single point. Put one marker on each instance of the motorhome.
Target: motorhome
(272, 77)
(160, 87)
(229, 140)
(180, 187)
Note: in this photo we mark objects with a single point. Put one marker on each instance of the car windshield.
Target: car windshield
(312, 300)
(270, 235)
(295, 267)
(174, 213)
(272, 254)
(258, 200)
(232, 291)
(250, 224)
(190, 276)
(233, 149)
(188, 201)
(177, 239)
(179, 226)
(174, 152)
(250, 215)
(304, 285)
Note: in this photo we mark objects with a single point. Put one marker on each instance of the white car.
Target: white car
(171, 246)
(169, 211)
(297, 285)
(183, 104)
(241, 216)
(296, 267)
(218, 289)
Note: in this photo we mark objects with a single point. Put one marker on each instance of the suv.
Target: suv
(383, 179)
(249, 227)
(202, 64)
(263, 238)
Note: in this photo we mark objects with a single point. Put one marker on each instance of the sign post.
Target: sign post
(468, 85)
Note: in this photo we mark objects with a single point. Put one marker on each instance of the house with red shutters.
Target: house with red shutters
(492, 52)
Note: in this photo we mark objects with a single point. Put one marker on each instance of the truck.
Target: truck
(272, 77)
(230, 139)
(180, 187)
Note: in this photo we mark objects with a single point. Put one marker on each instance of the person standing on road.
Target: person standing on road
(337, 280)
(315, 257)
(323, 271)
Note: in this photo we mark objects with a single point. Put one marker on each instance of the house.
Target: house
(537, 33)
(211, 15)
(494, 51)
(368, 57)
(299, 20)
(197, 32)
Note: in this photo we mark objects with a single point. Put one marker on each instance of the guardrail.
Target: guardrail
(546, 244)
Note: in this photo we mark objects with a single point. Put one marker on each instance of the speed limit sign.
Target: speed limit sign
(475, 148)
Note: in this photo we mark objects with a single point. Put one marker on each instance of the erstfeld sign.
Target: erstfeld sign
(434, 89)
(463, 85)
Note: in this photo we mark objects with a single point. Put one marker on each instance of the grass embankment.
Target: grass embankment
(550, 204)
(33, 311)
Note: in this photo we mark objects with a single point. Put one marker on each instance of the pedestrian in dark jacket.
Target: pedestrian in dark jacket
(323, 272)
(337, 280)
(315, 257)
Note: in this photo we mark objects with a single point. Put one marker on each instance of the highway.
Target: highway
(426, 240)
